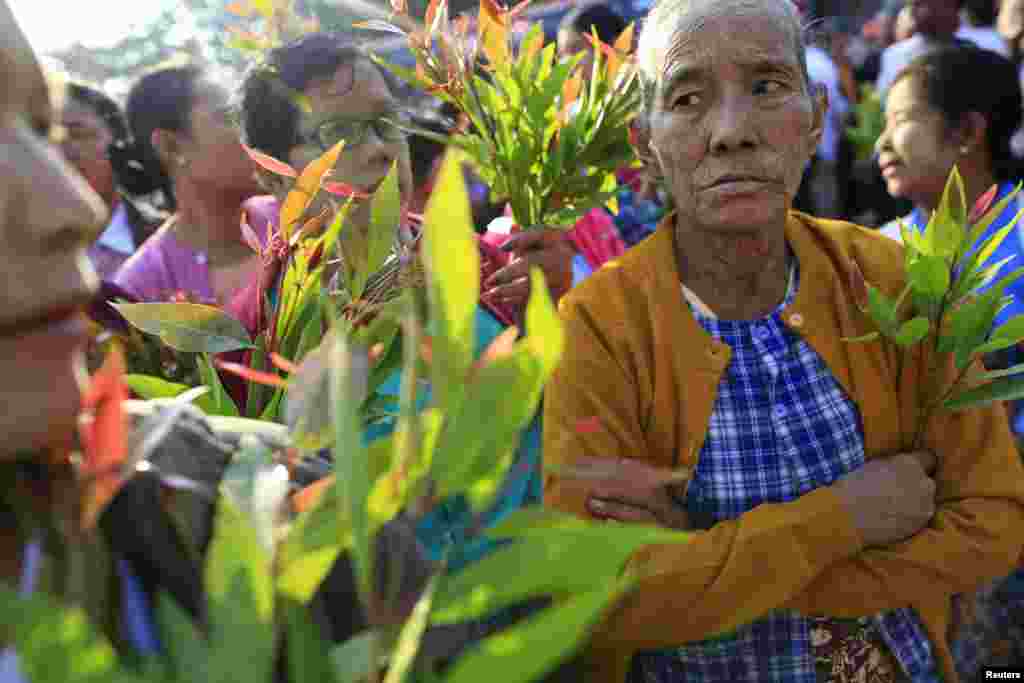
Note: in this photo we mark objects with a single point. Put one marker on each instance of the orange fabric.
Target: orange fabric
(637, 360)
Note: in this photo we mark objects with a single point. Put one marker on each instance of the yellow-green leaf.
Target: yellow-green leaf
(452, 262)
(192, 328)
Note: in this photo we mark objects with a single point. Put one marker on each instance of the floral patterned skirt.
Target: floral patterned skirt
(852, 651)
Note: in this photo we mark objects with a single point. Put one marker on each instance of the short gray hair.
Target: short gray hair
(667, 15)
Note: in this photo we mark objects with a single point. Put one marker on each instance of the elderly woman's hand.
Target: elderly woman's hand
(627, 490)
(546, 248)
(890, 499)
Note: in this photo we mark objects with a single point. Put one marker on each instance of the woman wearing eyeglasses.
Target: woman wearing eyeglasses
(349, 98)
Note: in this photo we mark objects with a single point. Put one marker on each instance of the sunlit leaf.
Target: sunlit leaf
(241, 601)
(1003, 389)
(148, 388)
(54, 642)
(194, 328)
(239, 9)
(452, 262)
(306, 187)
(269, 163)
(222, 403)
(912, 331)
(320, 532)
(412, 632)
(379, 25)
(526, 651)
(493, 32)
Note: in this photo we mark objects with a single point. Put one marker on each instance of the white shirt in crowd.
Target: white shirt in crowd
(899, 55)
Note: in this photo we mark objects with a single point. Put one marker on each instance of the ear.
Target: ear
(640, 139)
(167, 144)
(819, 104)
(973, 132)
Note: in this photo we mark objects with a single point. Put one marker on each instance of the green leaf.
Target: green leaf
(882, 310)
(526, 651)
(452, 261)
(54, 643)
(149, 388)
(308, 653)
(1006, 335)
(945, 230)
(536, 565)
(352, 477)
(185, 647)
(386, 213)
(353, 659)
(969, 327)
(241, 599)
(220, 401)
(404, 654)
(1003, 389)
(192, 328)
(869, 337)
(912, 331)
(312, 546)
(929, 276)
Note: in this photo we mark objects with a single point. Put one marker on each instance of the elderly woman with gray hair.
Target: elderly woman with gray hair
(714, 353)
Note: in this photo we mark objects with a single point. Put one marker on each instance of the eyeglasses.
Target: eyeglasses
(388, 128)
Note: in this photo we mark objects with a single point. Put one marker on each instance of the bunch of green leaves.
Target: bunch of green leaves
(539, 135)
(870, 122)
(264, 564)
(951, 299)
(305, 248)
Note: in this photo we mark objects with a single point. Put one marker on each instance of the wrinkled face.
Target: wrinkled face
(354, 105)
(935, 17)
(917, 150)
(48, 215)
(212, 148)
(1011, 24)
(85, 142)
(732, 125)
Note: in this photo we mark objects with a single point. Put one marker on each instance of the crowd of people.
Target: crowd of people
(828, 547)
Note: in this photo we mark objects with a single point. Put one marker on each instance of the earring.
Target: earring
(964, 149)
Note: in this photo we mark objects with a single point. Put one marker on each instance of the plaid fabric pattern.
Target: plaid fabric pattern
(781, 427)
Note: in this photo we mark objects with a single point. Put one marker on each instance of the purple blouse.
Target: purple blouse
(164, 269)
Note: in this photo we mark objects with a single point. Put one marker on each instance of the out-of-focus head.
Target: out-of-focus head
(905, 25)
(935, 18)
(1010, 24)
(92, 122)
(182, 134)
(981, 12)
(730, 119)
(939, 113)
(580, 23)
(319, 90)
(48, 214)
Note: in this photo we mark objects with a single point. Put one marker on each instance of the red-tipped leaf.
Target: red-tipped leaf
(251, 375)
(343, 190)
(269, 163)
(983, 204)
(283, 364)
(104, 434)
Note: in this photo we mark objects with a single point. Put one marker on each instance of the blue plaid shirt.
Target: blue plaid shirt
(781, 427)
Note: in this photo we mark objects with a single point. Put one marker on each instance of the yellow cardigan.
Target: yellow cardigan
(637, 359)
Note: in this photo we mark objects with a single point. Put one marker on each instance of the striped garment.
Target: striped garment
(781, 427)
